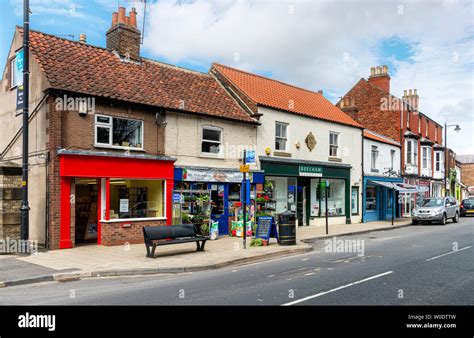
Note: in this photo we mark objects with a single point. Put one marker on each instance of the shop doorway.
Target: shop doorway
(220, 210)
(86, 208)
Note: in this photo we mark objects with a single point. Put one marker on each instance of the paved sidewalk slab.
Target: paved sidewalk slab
(96, 260)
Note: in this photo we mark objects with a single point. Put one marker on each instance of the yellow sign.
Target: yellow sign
(244, 168)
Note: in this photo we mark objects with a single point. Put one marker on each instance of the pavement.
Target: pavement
(417, 265)
(101, 261)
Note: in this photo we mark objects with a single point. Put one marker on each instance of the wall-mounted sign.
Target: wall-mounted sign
(310, 171)
(250, 156)
(310, 141)
(213, 175)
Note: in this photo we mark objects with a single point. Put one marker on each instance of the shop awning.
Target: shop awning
(401, 187)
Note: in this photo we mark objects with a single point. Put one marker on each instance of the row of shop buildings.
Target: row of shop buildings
(118, 142)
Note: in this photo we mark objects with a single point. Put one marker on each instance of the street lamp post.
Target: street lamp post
(25, 209)
(456, 129)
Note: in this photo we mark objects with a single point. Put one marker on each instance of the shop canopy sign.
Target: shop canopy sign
(310, 171)
(212, 175)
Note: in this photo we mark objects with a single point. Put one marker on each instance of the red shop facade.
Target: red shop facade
(107, 198)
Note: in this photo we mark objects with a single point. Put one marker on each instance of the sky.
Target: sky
(328, 45)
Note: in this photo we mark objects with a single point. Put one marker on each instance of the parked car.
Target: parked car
(467, 207)
(436, 209)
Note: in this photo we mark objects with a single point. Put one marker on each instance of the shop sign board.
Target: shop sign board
(250, 157)
(266, 228)
(212, 175)
(19, 79)
(310, 171)
(244, 168)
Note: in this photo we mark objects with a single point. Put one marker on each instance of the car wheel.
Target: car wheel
(456, 218)
(444, 220)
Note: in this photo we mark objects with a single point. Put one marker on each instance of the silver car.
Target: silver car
(436, 209)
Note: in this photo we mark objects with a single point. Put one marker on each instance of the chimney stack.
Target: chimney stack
(380, 78)
(83, 38)
(412, 98)
(123, 36)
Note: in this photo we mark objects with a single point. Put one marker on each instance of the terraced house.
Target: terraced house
(308, 148)
(107, 127)
(371, 103)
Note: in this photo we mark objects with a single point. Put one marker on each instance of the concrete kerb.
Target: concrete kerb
(315, 239)
(78, 275)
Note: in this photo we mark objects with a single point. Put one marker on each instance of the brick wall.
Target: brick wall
(78, 132)
(10, 202)
(115, 234)
(467, 174)
(124, 39)
(366, 108)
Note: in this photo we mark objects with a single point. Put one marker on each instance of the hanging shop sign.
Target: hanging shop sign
(310, 171)
(18, 64)
(212, 175)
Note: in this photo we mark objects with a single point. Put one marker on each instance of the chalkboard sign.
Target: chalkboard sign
(266, 228)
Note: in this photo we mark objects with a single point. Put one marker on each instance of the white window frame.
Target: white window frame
(392, 158)
(413, 159)
(374, 154)
(220, 130)
(331, 133)
(110, 126)
(408, 119)
(419, 124)
(283, 124)
(426, 156)
(427, 126)
(439, 161)
(12, 73)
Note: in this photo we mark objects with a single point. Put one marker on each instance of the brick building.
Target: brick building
(371, 103)
(98, 165)
(467, 172)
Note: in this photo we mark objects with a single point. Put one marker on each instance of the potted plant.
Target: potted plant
(204, 229)
(264, 242)
(256, 242)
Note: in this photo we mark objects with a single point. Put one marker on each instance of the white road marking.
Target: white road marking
(386, 238)
(310, 273)
(448, 253)
(305, 259)
(337, 289)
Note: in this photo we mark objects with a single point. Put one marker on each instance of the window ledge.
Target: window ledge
(119, 148)
(334, 159)
(124, 220)
(282, 153)
(216, 156)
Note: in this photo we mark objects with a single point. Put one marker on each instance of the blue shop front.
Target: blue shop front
(221, 188)
(379, 197)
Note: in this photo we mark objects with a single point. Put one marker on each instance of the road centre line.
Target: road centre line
(448, 253)
(337, 289)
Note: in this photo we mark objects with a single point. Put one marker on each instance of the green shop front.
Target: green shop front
(301, 186)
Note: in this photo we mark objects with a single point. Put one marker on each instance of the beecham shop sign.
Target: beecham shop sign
(310, 171)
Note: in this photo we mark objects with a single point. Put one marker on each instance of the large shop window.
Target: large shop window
(118, 132)
(281, 136)
(137, 198)
(211, 140)
(336, 194)
(370, 198)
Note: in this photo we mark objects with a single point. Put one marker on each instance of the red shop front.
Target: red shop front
(108, 198)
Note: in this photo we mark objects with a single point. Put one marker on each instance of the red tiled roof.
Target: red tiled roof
(279, 95)
(380, 138)
(86, 69)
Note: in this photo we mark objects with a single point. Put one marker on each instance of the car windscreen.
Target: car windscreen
(432, 202)
(468, 203)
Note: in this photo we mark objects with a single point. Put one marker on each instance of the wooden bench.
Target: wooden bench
(175, 234)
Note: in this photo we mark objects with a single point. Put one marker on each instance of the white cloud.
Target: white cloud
(331, 45)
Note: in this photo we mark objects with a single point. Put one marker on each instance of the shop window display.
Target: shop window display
(136, 198)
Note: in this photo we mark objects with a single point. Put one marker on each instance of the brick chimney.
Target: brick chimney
(411, 97)
(124, 36)
(379, 77)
